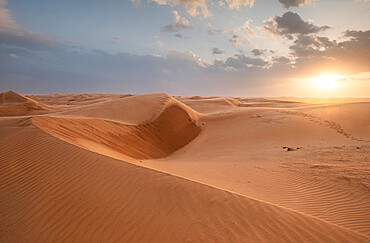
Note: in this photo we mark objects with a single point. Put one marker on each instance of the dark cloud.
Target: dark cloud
(350, 56)
(240, 61)
(11, 33)
(237, 40)
(282, 59)
(358, 35)
(306, 45)
(180, 36)
(291, 23)
(294, 3)
(217, 51)
(258, 52)
(169, 28)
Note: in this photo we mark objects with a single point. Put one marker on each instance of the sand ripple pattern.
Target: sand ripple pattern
(53, 191)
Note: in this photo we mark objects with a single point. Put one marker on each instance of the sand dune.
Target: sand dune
(173, 129)
(74, 99)
(69, 194)
(210, 104)
(13, 104)
(132, 110)
(221, 175)
(247, 146)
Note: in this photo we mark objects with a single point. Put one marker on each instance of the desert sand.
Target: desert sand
(158, 168)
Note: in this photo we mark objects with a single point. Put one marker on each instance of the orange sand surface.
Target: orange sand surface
(157, 168)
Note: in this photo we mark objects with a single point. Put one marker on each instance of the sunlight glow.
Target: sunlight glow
(327, 81)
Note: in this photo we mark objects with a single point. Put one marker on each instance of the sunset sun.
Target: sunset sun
(327, 81)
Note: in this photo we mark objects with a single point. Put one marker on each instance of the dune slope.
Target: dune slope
(52, 191)
(14, 104)
(173, 129)
(241, 150)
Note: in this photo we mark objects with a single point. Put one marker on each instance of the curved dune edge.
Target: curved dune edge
(173, 129)
(67, 193)
(130, 110)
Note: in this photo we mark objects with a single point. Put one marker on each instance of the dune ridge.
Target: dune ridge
(14, 104)
(70, 194)
(131, 110)
(175, 127)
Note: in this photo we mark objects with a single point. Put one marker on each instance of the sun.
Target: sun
(327, 81)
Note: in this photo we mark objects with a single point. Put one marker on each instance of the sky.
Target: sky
(303, 48)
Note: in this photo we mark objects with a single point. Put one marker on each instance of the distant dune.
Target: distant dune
(153, 168)
(13, 104)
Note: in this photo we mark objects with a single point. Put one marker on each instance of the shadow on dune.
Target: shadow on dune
(170, 131)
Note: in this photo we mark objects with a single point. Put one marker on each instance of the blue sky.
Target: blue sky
(194, 47)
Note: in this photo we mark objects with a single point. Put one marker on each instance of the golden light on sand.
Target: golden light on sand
(327, 81)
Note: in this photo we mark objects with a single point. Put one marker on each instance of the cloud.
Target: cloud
(180, 36)
(291, 23)
(217, 51)
(200, 7)
(281, 59)
(241, 61)
(213, 31)
(295, 3)
(237, 4)
(179, 23)
(64, 70)
(11, 33)
(258, 52)
(306, 45)
(237, 40)
(193, 7)
(319, 53)
(13, 56)
(186, 58)
(159, 43)
(246, 27)
(136, 3)
(358, 35)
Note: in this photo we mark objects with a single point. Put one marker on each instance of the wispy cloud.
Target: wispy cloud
(11, 33)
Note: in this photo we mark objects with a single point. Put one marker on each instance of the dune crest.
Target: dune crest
(133, 110)
(175, 127)
(14, 104)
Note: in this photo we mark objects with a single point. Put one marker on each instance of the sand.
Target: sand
(13, 104)
(154, 168)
